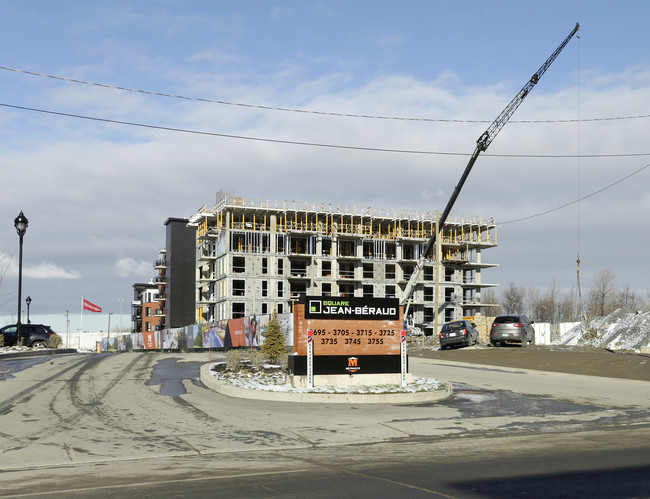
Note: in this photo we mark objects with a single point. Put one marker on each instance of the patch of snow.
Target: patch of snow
(620, 330)
(15, 349)
(472, 397)
(276, 382)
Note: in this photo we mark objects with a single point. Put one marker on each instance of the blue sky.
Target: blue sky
(97, 194)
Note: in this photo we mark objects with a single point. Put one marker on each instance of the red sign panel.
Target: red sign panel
(347, 337)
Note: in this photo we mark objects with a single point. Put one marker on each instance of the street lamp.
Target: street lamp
(21, 224)
(28, 300)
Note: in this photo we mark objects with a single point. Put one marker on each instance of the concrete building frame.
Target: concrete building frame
(258, 256)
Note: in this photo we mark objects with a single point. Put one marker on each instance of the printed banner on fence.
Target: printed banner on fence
(236, 332)
(149, 338)
(213, 335)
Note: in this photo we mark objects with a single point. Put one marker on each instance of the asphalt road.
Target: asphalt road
(139, 424)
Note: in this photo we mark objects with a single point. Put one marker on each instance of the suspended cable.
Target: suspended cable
(577, 200)
(302, 143)
(578, 164)
(295, 110)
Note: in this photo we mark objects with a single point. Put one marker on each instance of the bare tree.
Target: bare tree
(533, 304)
(600, 301)
(5, 261)
(490, 296)
(512, 299)
(554, 305)
(542, 310)
(568, 307)
(627, 299)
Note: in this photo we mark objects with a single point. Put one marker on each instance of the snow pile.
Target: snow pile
(620, 330)
(422, 343)
(15, 349)
(276, 382)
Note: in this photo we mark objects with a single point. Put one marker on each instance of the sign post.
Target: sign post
(403, 357)
(310, 359)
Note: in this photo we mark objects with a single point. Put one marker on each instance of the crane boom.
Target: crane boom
(482, 144)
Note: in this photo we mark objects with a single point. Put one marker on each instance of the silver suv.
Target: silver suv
(512, 329)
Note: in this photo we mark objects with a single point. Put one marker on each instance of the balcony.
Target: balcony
(347, 276)
(211, 233)
(298, 271)
(206, 276)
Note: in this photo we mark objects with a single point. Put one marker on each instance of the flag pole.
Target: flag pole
(81, 321)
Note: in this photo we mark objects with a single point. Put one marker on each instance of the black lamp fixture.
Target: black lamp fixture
(21, 224)
(28, 300)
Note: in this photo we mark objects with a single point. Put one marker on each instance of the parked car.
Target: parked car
(33, 335)
(512, 329)
(457, 333)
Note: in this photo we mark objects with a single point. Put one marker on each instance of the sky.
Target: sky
(98, 169)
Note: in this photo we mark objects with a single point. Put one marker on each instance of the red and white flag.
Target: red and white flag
(91, 306)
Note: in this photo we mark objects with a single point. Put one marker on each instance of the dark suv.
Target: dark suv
(33, 335)
(458, 333)
(512, 329)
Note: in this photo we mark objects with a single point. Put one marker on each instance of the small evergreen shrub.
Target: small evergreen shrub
(273, 347)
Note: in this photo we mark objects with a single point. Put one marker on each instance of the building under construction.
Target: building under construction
(260, 256)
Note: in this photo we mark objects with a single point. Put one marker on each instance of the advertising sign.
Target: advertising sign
(348, 326)
(327, 307)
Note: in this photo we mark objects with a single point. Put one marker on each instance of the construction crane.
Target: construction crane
(481, 145)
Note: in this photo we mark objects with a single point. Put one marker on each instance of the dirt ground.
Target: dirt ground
(576, 360)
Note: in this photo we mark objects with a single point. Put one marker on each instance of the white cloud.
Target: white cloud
(42, 270)
(49, 270)
(281, 12)
(129, 267)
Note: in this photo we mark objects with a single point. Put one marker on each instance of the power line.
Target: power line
(295, 110)
(577, 200)
(310, 144)
(225, 135)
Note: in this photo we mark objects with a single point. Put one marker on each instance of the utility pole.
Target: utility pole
(67, 330)
(121, 303)
(436, 271)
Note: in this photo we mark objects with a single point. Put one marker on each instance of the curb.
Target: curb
(333, 398)
(36, 353)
